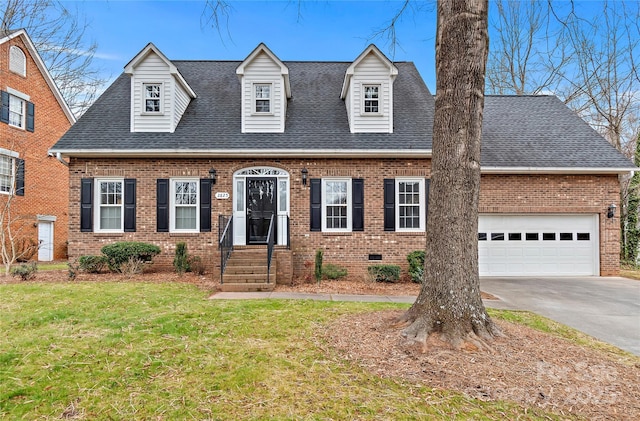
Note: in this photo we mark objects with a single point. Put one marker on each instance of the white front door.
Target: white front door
(45, 241)
(538, 245)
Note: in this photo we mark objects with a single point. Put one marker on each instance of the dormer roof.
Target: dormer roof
(371, 49)
(262, 48)
(33, 52)
(129, 68)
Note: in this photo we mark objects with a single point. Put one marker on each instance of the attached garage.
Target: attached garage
(538, 245)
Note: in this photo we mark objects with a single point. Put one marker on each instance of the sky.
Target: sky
(317, 30)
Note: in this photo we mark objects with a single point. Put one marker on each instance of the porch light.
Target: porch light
(611, 211)
(304, 176)
(212, 175)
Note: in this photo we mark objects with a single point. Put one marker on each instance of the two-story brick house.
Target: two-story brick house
(33, 183)
(328, 155)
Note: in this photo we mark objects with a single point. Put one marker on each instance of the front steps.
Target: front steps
(246, 270)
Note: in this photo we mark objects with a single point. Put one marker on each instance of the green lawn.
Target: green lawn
(163, 351)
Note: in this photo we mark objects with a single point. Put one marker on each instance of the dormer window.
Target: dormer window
(262, 97)
(152, 97)
(17, 61)
(371, 99)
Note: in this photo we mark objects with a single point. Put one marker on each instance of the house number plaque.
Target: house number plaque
(222, 195)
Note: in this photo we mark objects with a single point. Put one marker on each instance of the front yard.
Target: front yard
(162, 351)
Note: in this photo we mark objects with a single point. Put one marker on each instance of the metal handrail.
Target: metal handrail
(270, 245)
(225, 241)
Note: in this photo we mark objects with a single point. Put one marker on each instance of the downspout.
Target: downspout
(59, 158)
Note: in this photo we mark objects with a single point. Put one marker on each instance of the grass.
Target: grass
(163, 351)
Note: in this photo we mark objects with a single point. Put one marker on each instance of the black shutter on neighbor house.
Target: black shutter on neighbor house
(129, 204)
(205, 205)
(30, 116)
(389, 204)
(4, 114)
(162, 205)
(427, 184)
(86, 205)
(316, 204)
(357, 204)
(19, 177)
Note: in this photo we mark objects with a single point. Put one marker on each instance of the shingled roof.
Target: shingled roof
(520, 132)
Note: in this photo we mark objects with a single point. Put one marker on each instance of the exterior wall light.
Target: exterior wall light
(212, 175)
(611, 211)
(304, 176)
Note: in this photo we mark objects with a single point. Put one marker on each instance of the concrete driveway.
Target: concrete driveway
(605, 308)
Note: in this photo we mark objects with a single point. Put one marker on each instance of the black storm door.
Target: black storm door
(261, 206)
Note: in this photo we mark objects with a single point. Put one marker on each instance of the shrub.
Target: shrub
(331, 271)
(92, 264)
(73, 269)
(416, 265)
(196, 265)
(132, 266)
(25, 271)
(318, 268)
(384, 273)
(124, 252)
(181, 260)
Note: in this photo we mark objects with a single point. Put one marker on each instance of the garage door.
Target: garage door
(538, 245)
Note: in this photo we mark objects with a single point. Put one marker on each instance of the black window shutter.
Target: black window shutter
(4, 114)
(162, 205)
(19, 177)
(205, 205)
(357, 204)
(30, 116)
(129, 204)
(86, 205)
(316, 204)
(427, 184)
(389, 204)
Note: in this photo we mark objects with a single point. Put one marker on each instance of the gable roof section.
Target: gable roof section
(371, 49)
(33, 52)
(129, 68)
(262, 48)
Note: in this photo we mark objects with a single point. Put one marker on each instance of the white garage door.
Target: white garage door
(538, 245)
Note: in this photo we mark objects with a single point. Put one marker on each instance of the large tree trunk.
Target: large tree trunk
(449, 309)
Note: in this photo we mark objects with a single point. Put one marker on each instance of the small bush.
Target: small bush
(317, 273)
(132, 266)
(129, 252)
(416, 265)
(181, 260)
(25, 271)
(384, 273)
(331, 271)
(92, 264)
(196, 265)
(74, 268)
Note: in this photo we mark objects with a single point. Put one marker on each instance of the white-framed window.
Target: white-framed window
(109, 209)
(17, 111)
(7, 174)
(371, 99)
(336, 204)
(410, 204)
(152, 98)
(185, 209)
(17, 61)
(262, 94)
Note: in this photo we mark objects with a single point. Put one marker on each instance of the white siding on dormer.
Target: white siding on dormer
(152, 70)
(182, 100)
(261, 70)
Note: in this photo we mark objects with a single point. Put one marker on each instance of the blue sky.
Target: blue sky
(325, 31)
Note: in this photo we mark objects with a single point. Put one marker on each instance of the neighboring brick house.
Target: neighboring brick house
(34, 116)
(340, 155)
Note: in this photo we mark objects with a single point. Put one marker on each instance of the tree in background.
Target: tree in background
(59, 35)
(629, 217)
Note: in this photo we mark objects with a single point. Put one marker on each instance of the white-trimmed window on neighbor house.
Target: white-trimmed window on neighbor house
(6, 174)
(152, 98)
(337, 204)
(405, 204)
(17, 61)
(262, 98)
(185, 205)
(11, 173)
(16, 110)
(110, 205)
(371, 99)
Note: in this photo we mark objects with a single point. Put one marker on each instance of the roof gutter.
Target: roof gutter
(556, 170)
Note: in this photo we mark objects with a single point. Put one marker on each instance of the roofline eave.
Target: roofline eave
(556, 170)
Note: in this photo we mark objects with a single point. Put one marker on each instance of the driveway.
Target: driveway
(606, 308)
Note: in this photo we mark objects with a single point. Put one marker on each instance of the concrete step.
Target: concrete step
(247, 287)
